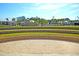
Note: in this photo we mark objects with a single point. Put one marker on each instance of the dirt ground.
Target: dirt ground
(39, 47)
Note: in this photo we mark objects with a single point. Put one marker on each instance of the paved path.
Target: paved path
(39, 47)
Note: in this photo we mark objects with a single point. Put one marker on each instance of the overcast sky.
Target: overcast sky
(43, 10)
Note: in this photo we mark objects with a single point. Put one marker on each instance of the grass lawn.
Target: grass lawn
(68, 33)
(39, 30)
(39, 35)
(39, 27)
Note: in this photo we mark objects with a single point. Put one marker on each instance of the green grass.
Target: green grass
(58, 32)
(40, 30)
(37, 34)
(54, 29)
(38, 27)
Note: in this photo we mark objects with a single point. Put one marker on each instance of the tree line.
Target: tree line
(42, 21)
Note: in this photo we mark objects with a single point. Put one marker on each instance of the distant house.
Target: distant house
(12, 23)
(28, 23)
(62, 21)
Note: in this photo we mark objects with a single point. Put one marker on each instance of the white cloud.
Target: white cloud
(48, 6)
(52, 9)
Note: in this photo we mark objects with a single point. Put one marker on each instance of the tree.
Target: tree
(27, 18)
(13, 19)
(42, 21)
(66, 19)
(23, 18)
(38, 20)
(54, 21)
(53, 17)
(7, 19)
(7, 23)
(77, 18)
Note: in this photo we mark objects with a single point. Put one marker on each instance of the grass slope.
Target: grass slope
(38, 27)
(10, 33)
(40, 35)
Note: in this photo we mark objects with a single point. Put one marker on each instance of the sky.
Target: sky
(43, 10)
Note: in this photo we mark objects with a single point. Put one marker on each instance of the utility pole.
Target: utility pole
(53, 17)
